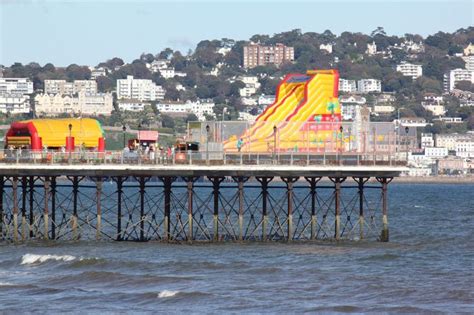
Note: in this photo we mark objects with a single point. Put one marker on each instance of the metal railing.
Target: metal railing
(203, 157)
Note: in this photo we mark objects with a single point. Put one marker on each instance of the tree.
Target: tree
(378, 31)
(465, 86)
(75, 72)
(167, 121)
(165, 54)
(105, 84)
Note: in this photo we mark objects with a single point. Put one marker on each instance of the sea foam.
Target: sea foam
(167, 293)
(29, 259)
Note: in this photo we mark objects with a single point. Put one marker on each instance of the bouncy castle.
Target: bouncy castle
(305, 114)
(38, 134)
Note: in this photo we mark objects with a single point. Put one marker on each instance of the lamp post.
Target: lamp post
(124, 128)
(70, 141)
(207, 143)
(274, 143)
(406, 142)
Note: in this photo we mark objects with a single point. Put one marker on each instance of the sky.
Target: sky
(89, 32)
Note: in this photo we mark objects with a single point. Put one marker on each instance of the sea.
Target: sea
(427, 267)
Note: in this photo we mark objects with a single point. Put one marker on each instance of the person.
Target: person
(168, 152)
(240, 142)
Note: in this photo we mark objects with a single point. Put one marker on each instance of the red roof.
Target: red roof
(148, 135)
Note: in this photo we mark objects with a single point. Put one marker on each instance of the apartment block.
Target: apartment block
(16, 86)
(410, 70)
(14, 103)
(258, 55)
(83, 103)
(347, 86)
(199, 108)
(456, 75)
(69, 88)
(369, 86)
(139, 89)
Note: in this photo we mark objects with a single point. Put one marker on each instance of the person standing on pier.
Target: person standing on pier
(240, 142)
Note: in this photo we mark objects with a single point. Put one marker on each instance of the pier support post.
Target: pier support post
(167, 182)
(337, 202)
(53, 207)
(190, 189)
(119, 180)
(289, 187)
(361, 182)
(31, 184)
(142, 182)
(264, 181)
(216, 181)
(24, 185)
(15, 208)
(240, 182)
(75, 191)
(46, 183)
(98, 183)
(313, 181)
(384, 181)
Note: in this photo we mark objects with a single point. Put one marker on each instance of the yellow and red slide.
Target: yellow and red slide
(306, 113)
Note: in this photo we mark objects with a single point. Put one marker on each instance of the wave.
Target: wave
(167, 294)
(30, 259)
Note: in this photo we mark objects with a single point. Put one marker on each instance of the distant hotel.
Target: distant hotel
(257, 55)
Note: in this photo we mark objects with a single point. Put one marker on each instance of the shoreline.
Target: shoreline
(434, 180)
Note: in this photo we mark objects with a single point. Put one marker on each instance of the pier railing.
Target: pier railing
(329, 158)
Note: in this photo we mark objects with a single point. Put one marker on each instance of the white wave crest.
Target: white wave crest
(167, 293)
(5, 284)
(29, 259)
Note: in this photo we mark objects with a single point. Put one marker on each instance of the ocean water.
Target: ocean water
(427, 267)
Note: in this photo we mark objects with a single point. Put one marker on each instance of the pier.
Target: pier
(195, 202)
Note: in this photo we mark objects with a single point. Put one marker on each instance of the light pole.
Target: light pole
(70, 142)
(124, 128)
(274, 143)
(341, 129)
(406, 142)
(207, 143)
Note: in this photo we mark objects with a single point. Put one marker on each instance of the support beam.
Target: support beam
(167, 182)
(240, 184)
(74, 221)
(190, 189)
(15, 208)
(2, 215)
(216, 181)
(98, 184)
(142, 181)
(289, 188)
(31, 184)
(46, 183)
(264, 181)
(337, 201)
(53, 207)
(313, 181)
(361, 182)
(384, 181)
(119, 180)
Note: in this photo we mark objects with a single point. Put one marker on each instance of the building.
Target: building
(465, 148)
(350, 105)
(251, 85)
(200, 108)
(159, 64)
(469, 50)
(371, 49)
(258, 55)
(69, 88)
(132, 105)
(223, 50)
(412, 47)
(81, 104)
(369, 85)
(169, 73)
(383, 109)
(449, 140)
(451, 165)
(456, 75)
(326, 47)
(469, 60)
(410, 70)
(437, 110)
(14, 103)
(265, 100)
(139, 89)
(385, 98)
(16, 86)
(347, 86)
(436, 152)
(449, 120)
(427, 140)
(97, 72)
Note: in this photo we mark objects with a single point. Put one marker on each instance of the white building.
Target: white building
(14, 103)
(247, 117)
(427, 140)
(347, 86)
(97, 72)
(251, 85)
(159, 64)
(437, 110)
(265, 100)
(450, 140)
(456, 75)
(198, 108)
(132, 105)
(436, 152)
(371, 49)
(469, 60)
(469, 50)
(449, 120)
(465, 148)
(83, 103)
(350, 105)
(413, 47)
(326, 47)
(369, 85)
(16, 86)
(169, 73)
(383, 109)
(410, 70)
(223, 50)
(68, 88)
(139, 89)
